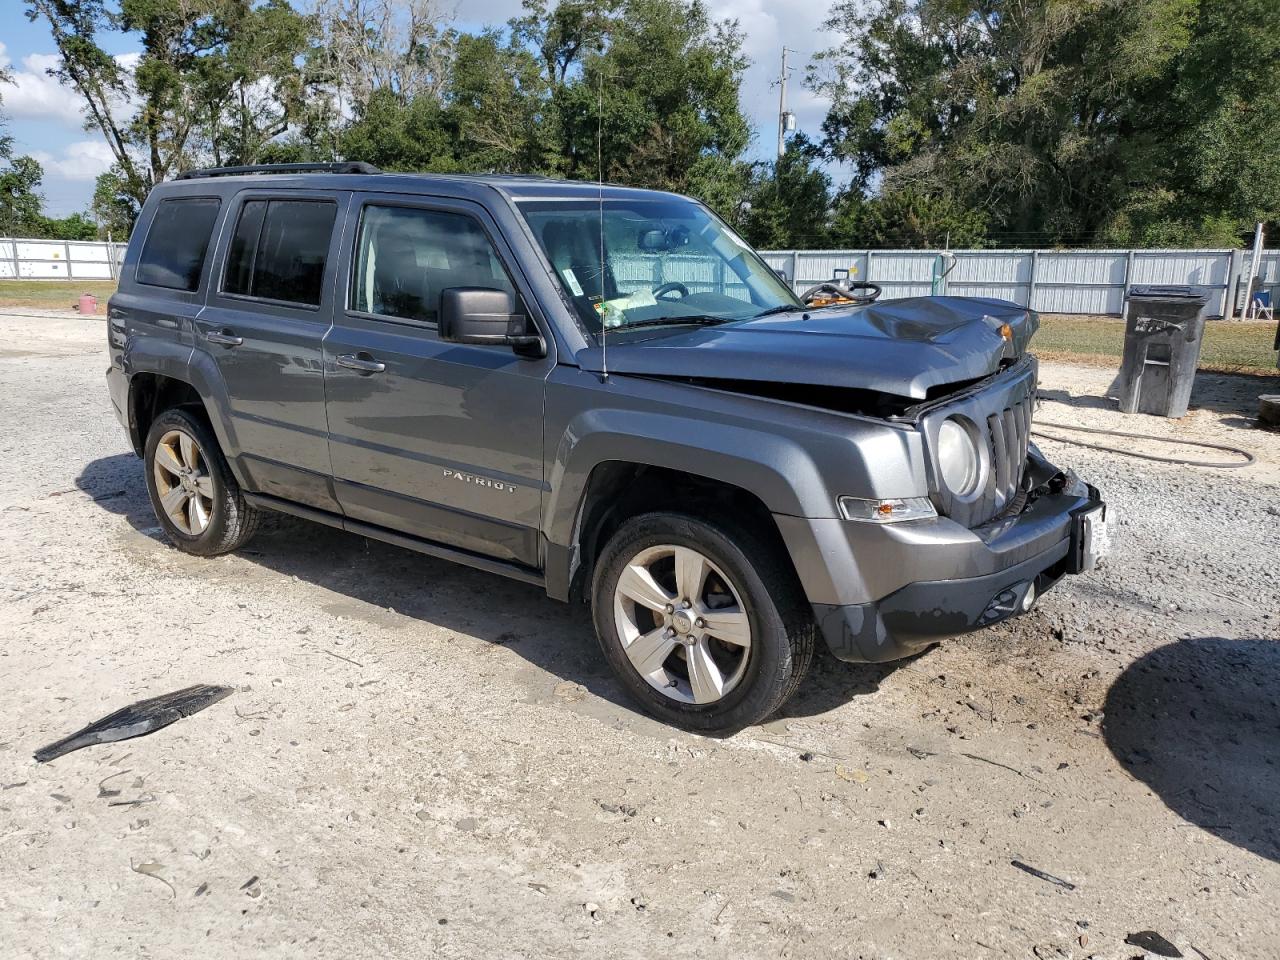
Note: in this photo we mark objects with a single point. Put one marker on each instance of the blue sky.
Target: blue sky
(45, 120)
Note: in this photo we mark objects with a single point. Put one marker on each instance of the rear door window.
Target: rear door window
(278, 250)
(406, 256)
(173, 254)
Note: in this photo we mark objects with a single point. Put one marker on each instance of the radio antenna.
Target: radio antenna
(604, 310)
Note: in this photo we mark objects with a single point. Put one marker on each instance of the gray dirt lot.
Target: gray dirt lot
(422, 760)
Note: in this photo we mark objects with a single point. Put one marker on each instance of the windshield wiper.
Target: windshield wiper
(697, 319)
(772, 311)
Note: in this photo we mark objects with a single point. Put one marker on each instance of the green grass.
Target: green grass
(52, 294)
(1229, 347)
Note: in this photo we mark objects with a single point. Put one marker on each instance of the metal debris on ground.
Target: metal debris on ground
(137, 719)
(1152, 942)
(1041, 875)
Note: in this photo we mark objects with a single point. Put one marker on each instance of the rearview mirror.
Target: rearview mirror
(486, 317)
(653, 241)
(662, 241)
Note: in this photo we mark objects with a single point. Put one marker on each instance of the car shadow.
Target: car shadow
(1198, 721)
(1233, 395)
(376, 577)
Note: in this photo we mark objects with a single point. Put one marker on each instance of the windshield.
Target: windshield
(667, 261)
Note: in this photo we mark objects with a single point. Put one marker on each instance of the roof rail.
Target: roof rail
(352, 166)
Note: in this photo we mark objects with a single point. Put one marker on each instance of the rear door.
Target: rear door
(268, 309)
(439, 440)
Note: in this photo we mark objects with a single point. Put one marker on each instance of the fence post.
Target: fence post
(66, 250)
(16, 261)
(867, 278)
(1128, 280)
(1031, 281)
(795, 265)
(1230, 297)
(111, 259)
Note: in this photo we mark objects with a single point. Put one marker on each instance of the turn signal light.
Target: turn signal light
(887, 511)
(1006, 331)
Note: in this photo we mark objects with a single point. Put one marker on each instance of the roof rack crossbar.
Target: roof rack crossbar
(352, 166)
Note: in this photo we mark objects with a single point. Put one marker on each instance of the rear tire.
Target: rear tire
(193, 492)
(703, 622)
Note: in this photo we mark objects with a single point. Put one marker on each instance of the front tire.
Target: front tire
(193, 492)
(703, 623)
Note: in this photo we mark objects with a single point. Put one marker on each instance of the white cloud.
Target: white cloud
(36, 95)
(81, 160)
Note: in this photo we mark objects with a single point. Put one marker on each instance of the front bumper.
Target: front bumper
(884, 592)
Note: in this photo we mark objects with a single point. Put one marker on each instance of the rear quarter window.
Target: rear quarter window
(174, 251)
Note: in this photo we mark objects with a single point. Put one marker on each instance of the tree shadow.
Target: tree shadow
(1198, 721)
(375, 577)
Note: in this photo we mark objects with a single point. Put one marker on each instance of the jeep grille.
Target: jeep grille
(1002, 414)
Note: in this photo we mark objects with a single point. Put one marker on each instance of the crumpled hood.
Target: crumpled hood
(900, 347)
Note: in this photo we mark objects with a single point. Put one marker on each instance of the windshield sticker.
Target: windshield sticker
(571, 279)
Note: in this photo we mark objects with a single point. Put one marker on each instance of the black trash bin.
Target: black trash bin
(1162, 333)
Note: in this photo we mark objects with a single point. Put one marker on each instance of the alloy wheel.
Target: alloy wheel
(682, 624)
(183, 483)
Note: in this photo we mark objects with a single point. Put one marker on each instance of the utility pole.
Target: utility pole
(786, 121)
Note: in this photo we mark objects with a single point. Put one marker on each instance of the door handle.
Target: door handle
(361, 362)
(224, 338)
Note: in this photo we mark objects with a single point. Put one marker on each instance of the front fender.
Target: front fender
(797, 461)
(775, 471)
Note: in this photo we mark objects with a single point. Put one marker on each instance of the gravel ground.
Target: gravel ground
(423, 760)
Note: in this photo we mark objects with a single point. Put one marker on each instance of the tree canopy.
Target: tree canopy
(1063, 121)
(973, 122)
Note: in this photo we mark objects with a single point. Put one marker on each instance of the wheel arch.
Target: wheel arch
(152, 392)
(617, 490)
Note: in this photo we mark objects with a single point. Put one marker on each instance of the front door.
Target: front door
(269, 307)
(438, 440)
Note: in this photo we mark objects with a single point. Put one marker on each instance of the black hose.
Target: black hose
(1248, 457)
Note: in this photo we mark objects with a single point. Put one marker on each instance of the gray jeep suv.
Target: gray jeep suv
(600, 390)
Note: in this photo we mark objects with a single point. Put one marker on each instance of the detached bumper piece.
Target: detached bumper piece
(920, 614)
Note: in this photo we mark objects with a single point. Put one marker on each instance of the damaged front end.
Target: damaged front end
(883, 359)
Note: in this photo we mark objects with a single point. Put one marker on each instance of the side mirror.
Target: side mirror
(486, 317)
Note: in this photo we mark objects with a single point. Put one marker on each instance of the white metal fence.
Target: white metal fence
(1051, 281)
(59, 259)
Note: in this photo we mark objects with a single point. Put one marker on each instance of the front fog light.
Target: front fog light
(957, 457)
(887, 511)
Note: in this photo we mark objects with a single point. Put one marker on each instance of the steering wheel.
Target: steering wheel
(844, 292)
(675, 286)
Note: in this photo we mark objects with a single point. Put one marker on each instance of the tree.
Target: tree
(20, 201)
(663, 95)
(1062, 121)
(644, 91)
(790, 201)
(252, 82)
(114, 209)
(216, 78)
